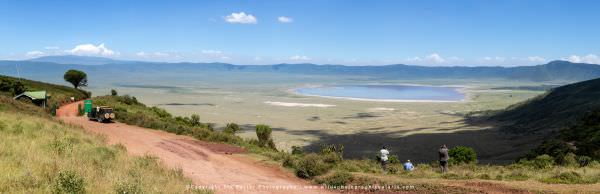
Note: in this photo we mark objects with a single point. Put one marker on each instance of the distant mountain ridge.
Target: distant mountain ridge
(555, 70)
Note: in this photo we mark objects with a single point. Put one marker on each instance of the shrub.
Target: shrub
(195, 120)
(543, 162)
(311, 165)
(263, 132)
(566, 178)
(69, 182)
(570, 159)
(339, 178)
(113, 92)
(18, 88)
(128, 187)
(584, 160)
(231, 128)
(393, 159)
(297, 150)
(462, 154)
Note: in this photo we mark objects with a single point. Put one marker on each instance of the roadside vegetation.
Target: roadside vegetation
(10, 86)
(328, 166)
(41, 155)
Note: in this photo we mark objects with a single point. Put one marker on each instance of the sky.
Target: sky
(377, 32)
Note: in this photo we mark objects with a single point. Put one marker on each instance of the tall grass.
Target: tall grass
(39, 155)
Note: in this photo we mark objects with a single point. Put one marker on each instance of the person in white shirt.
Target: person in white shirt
(384, 158)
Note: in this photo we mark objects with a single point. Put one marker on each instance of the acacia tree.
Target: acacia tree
(76, 77)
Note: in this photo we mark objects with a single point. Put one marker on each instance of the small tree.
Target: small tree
(195, 119)
(462, 154)
(263, 132)
(76, 77)
(18, 88)
(53, 109)
(113, 92)
(231, 128)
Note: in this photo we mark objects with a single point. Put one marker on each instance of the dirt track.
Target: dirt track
(207, 164)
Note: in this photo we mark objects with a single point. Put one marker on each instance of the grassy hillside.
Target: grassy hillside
(559, 108)
(58, 93)
(40, 155)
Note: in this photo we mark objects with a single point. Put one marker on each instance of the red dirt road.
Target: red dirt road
(206, 163)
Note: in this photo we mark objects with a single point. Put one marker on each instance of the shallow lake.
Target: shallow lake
(386, 92)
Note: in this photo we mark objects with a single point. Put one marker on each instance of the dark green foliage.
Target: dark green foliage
(53, 109)
(393, 159)
(263, 132)
(162, 113)
(14, 87)
(311, 165)
(76, 77)
(195, 120)
(231, 128)
(540, 162)
(297, 150)
(69, 182)
(339, 178)
(462, 154)
(113, 92)
(80, 110)
(584, 160)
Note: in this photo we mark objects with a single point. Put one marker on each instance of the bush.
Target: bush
(297, 150)
(113, 92)
(393, 159)
(462, 154)
(543, 162)
(231, 128)
(566, 178)
(128, 187)
(69, 182)
(311, 165)
(263, 132)
(584, 160)
(570, 159)
(339, 178)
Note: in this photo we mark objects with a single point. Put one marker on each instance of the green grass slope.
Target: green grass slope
(559, 108)
(58, 93)
(41, 155)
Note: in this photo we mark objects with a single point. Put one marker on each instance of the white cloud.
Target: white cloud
(494, 59)
(90, 49)
(299, 58)
(35, 54)
(241, 18)
(436, 58)
(432, 58)
(536, 59)
(591, 58)
(284, 19)
(51, 48)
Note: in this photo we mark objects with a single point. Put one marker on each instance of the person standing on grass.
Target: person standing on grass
(408, 166)
(443, 154)
(384, 158)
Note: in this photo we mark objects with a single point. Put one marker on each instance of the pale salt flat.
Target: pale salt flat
(295, 104)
